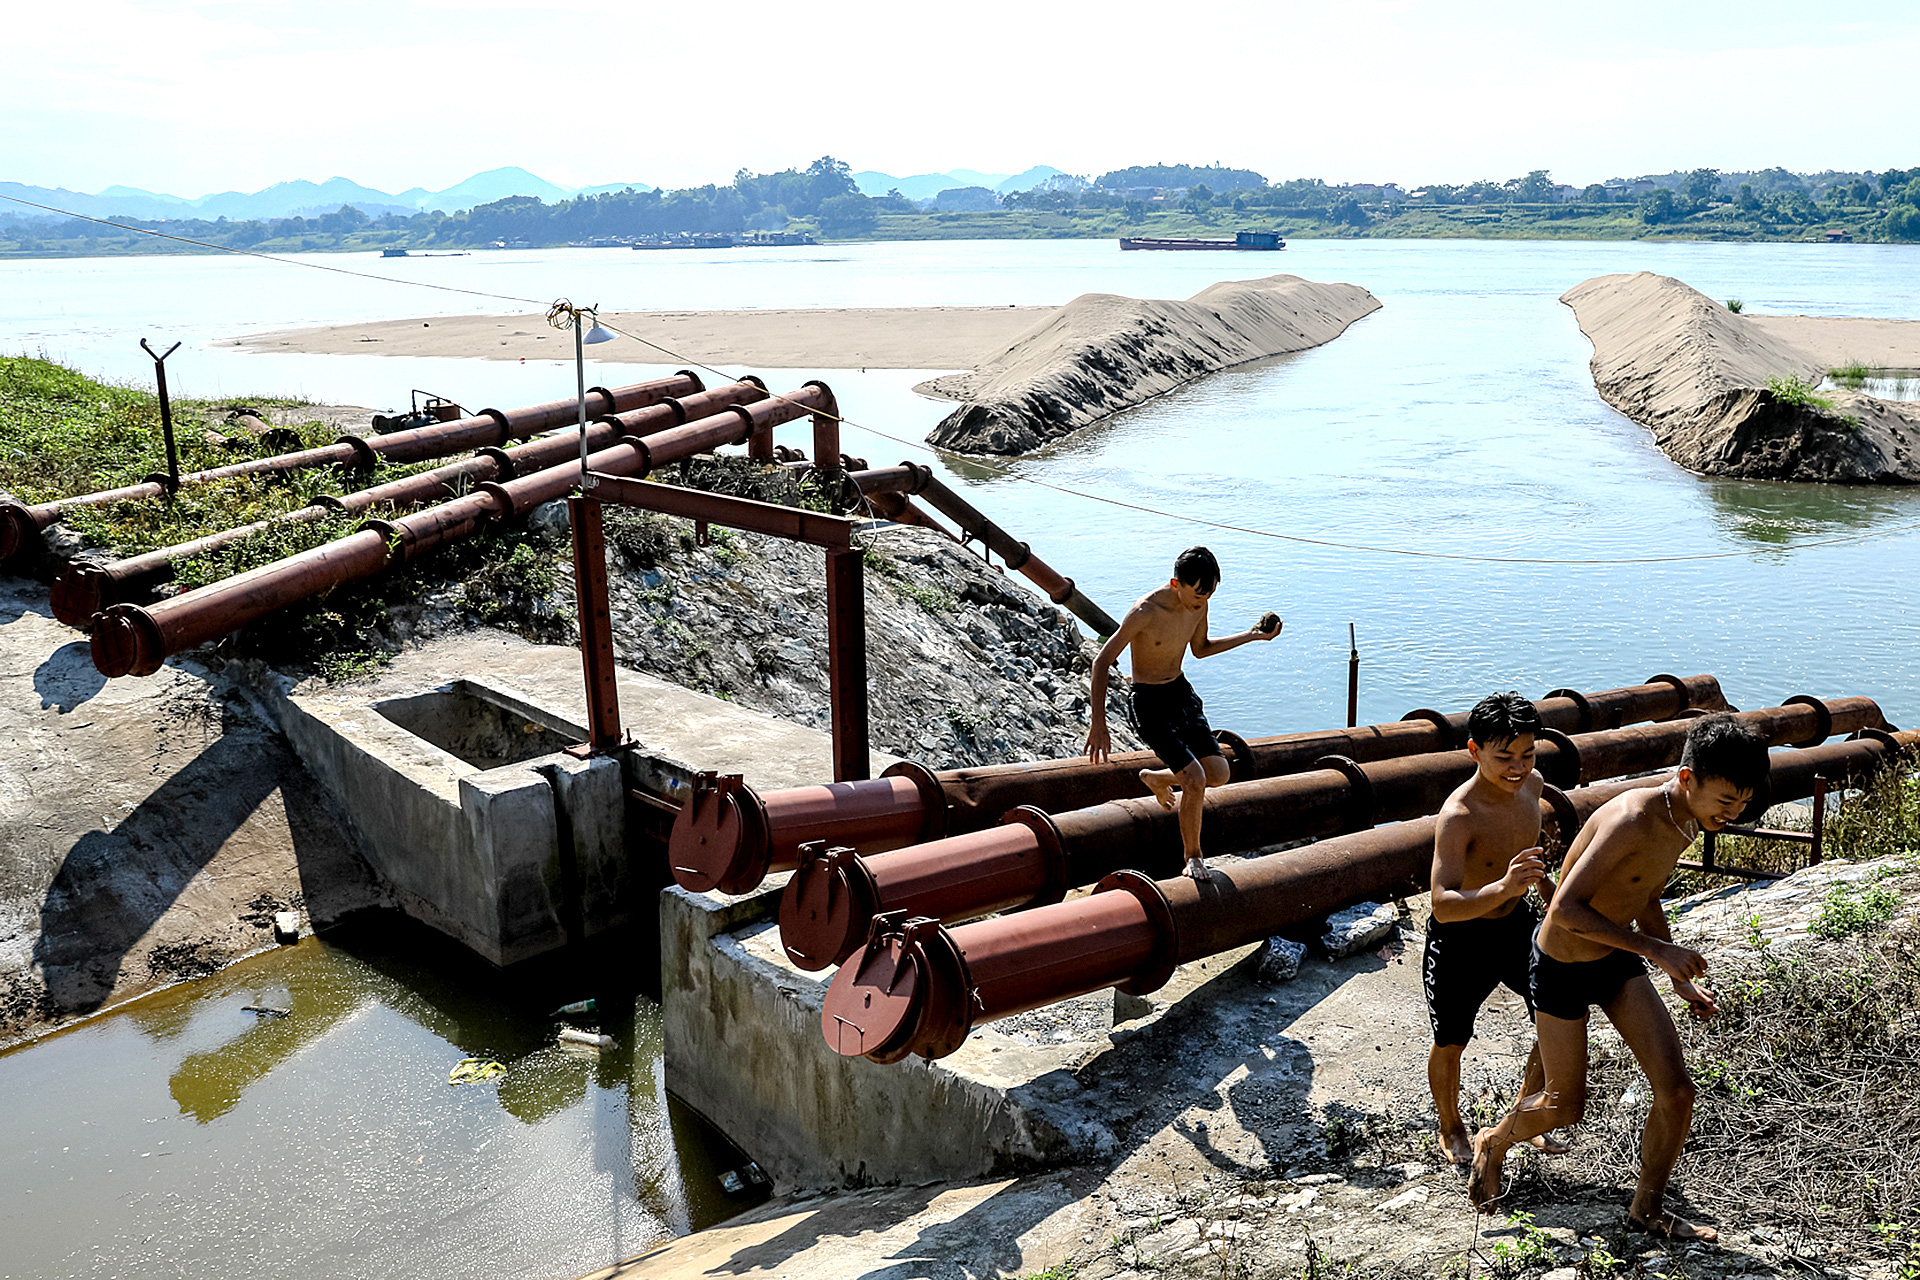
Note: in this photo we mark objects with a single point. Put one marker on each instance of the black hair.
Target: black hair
(1198, 569)
(1724, 747)
(1501, 717)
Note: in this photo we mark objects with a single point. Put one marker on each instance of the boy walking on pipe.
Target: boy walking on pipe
(1486, 859)
(1161, 629)
(1605, 917)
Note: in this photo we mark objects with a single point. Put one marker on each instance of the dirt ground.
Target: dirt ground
(1285, 1131)
(149, 828)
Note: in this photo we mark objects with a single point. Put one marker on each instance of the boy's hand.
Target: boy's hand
(1700, 999)
(1680, 964)
(1099, 743)
(1268, 627)
(1528, 868)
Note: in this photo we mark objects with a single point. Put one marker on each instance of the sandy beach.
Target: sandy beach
(1836, 341)
(853, 338)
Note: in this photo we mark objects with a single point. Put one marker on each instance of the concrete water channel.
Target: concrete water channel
(296, 1107)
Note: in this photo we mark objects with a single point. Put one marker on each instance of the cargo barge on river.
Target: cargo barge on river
(1242, 240)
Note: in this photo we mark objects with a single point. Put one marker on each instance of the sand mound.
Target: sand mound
(1102, 353)
(1694, 373)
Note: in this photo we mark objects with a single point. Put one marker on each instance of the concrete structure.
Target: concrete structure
(469, 809)
(743, 1046)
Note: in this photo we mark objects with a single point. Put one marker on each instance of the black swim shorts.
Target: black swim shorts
(1570, 988)
(1172, 723)
(1465, 960)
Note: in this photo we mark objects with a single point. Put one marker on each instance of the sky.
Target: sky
(190, 97)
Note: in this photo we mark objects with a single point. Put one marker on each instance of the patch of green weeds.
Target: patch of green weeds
(1852, 374)
(1792, 389)
(1530, 1249)
(932, 599)
(1846, 910)
(1735, 305)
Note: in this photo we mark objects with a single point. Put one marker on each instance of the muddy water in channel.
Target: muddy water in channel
(185, 1136)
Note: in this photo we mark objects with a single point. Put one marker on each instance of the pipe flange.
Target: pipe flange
(755, 380)
(501, 458)
(1566, 818)
(601, 391)
(365, 456)
(398, 537)
(1679, 686)
(1240, 763)
(1066, 589)
(1047, 836)
(1449, 736)
(826, 907)
(160, 478)
(1881, 736)
(694, 378)
(1026, 554)
(1160, 913)
(1566, 757)
(1823, 717)
(935, 817)
(1361, 805)
(719, 839)
(1579, 700)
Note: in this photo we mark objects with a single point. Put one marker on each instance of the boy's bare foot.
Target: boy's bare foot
(1162, 790)
(1483, 1188)
(1668, 1226)
(1547, 1144)
(1196, 869)
(1457, 1146)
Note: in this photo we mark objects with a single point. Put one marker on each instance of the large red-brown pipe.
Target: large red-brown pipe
(83, 589)
(1034, 858)
(732, 840)
(132, 640)
(19, 523)
(918, 987)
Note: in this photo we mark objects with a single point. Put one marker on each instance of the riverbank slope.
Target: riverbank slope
(1102, 353)
(1714, 388)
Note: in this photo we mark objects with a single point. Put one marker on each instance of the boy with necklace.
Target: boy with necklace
(1588, 951)
(1161, 629)
(1486, 857)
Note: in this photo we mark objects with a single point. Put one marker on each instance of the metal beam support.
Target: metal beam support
(835, 533)
(847, 664)
(596, 622)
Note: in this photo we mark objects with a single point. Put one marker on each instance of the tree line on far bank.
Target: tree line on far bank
(824, 199)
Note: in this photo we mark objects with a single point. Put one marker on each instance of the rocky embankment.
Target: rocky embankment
(1697, 375)
(1102, 353)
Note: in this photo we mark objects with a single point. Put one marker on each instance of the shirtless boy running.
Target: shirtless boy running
(1486, 856)
(1604, 918)
(1161, 628)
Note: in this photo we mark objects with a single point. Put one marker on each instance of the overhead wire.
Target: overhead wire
(1225, 526)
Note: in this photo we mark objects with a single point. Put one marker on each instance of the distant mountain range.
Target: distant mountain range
(300, 199)
(925, 186)
(311, 199)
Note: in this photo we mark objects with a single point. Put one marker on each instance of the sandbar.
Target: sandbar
(797, 338)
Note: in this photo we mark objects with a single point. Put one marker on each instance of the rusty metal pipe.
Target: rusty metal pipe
(918, 987)
(134, 640)
(1034, 858)
(19, 522)
(971, 799)
(83, 589)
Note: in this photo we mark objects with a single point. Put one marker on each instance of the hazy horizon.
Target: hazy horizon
(189, 95)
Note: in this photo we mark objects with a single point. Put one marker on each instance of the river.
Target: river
(1458, 421)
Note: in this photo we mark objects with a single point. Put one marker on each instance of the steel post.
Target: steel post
(847, 664)
(596, 622)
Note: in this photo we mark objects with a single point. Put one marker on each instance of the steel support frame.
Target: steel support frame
(846, 594)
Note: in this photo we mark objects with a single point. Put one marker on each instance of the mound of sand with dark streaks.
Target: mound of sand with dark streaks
(1102, 353)
(1696, 375)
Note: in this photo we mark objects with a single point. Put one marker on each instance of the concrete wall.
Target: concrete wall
(744, 1047)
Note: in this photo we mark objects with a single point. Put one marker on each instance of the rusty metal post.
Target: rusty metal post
(847, 664)
(1819, 817)
(1353, 679)
(166, 412)
(596, 621)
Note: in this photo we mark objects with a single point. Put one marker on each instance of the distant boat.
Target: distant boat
(1256, 241)
(714, 241)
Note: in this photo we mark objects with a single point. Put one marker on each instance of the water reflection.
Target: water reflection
(187, 1136)
(1774, 515)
